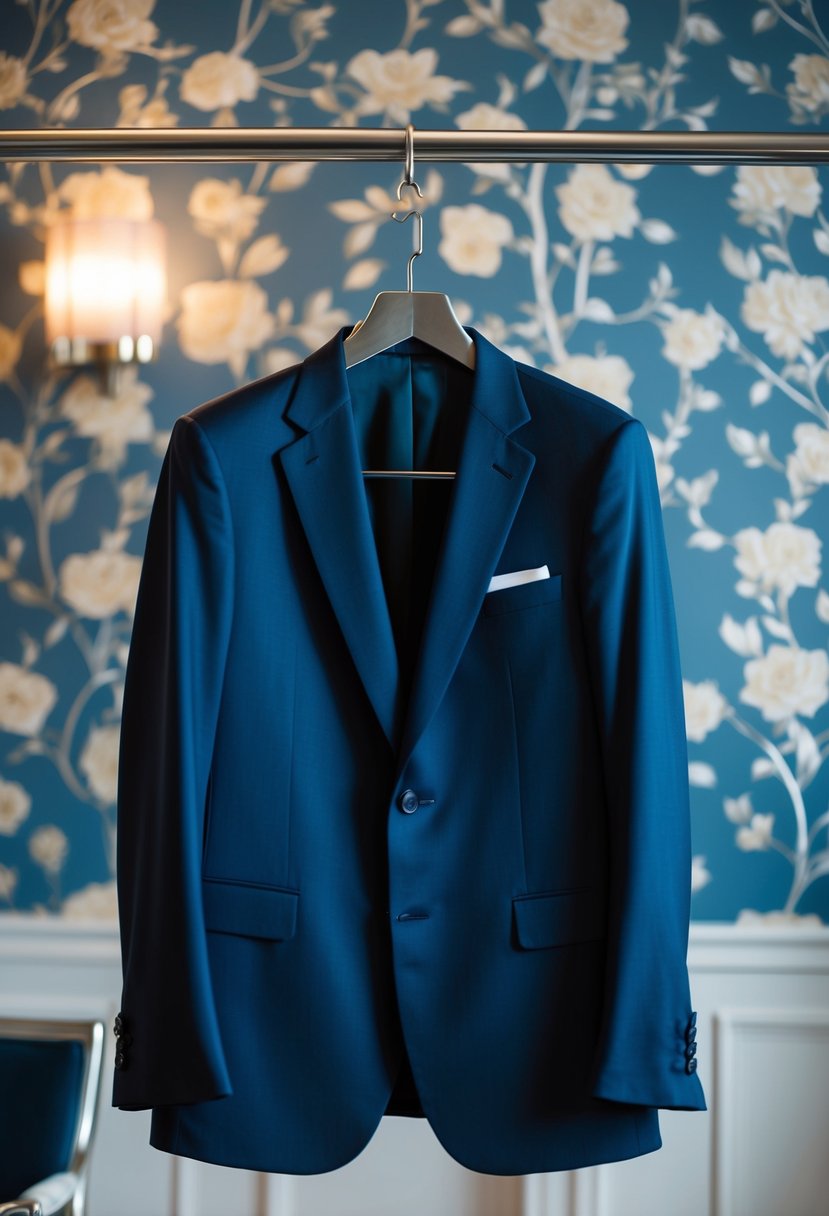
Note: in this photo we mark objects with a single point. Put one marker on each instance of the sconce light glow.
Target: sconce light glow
(105, 292)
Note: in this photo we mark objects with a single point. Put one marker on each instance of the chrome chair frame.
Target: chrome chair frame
(90, 1033)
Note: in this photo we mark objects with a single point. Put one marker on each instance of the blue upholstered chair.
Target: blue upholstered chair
(50, 1077)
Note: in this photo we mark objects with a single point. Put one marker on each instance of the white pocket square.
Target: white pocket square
(499, 581)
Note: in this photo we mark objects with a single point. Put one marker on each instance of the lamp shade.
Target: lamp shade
(105, 286)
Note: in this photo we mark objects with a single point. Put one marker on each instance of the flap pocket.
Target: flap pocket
(249, 909)
(523, 595)
(554, 918)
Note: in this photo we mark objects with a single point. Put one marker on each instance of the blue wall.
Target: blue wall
(695, 297)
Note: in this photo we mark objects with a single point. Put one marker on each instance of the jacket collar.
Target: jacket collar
(322, 468)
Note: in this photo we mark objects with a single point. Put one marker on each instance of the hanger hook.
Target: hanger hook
(401, 219)
(408, 180)
(408, 177)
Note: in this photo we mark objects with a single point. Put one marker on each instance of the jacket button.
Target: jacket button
(691, 1065)
(408, 801)
(120, 1059)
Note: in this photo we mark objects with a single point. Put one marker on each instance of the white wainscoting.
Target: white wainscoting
(762, 996)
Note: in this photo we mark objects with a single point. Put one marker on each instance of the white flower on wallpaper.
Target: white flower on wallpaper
(486, 117)
(100, 583)
(110, 192)
(14, 469)
(108, 26)
(760, 189)
(99, 761)
(400, 81)
(13, 81)
(787, 681)
(473, 239)
(219, 79)
(692, 340)
(808, 464)
(593, 205)
(705, 708)
(223, 321)
(757, 834)
(788, 310)
(137, 109)
(809, 90)
(10, 348)
(222, 209)
(95, 901)
(591, 30)
(114, 422)
(26, 699)
(700, 874)
(8, 882)
(15, 804)
(783, 557)
(48, 847)
(609, 376)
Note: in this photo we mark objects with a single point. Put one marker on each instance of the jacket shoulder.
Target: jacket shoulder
(582, 420)
(547, 390)
(252, 410)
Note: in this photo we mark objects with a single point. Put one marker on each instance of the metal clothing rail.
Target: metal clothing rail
(388, 144)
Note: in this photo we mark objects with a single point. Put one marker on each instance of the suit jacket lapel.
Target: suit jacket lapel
(491, 475)
(324, 475)
(323, 471)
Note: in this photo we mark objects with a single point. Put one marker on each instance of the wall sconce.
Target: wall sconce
(105, 293)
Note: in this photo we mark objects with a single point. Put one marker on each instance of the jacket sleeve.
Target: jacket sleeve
(647, 1038)
(168, 1048)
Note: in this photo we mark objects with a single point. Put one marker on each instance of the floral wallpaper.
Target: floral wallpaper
(695, 297)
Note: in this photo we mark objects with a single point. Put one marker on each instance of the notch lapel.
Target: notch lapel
(491, 475)
(323, 471)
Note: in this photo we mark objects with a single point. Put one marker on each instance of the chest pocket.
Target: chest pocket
(523, 595)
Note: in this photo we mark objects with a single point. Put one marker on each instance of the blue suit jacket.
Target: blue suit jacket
(390, 841)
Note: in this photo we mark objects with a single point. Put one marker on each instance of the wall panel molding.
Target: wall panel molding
(762, 995)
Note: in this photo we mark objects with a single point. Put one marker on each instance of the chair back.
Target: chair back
(50, 1077)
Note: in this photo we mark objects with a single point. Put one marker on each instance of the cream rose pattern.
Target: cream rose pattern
(608, 376)
(705, 709)
(12, 81)
(400, 81)
(15, 804)
(99, 761)
(223, 322)
(692, 339)
(794, 188)
(810, 86)
(217, 80)
(14, 469)
(708, 320)
(787, 681)
(592, 30)
(49, 846)
(593, 205)
(112, 193)
(222, 208)
(473, 239)
(26, 699)
(112, 421)
(100, 583)
(782, 558)
(789, 310)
